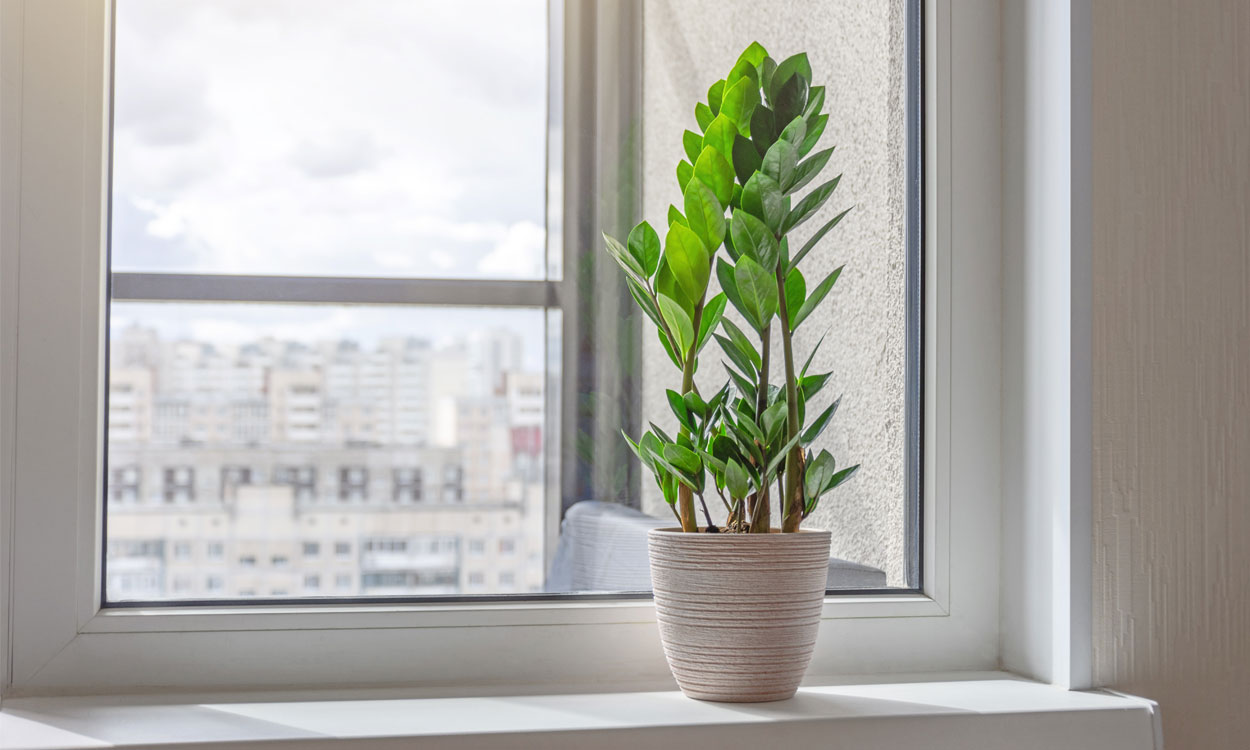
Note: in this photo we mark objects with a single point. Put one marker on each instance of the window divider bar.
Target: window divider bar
(186, 287)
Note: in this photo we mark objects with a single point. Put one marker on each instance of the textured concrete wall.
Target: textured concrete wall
(856, 50)
(1171, 182)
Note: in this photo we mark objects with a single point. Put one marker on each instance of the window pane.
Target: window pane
(370, 138)
(245, 440)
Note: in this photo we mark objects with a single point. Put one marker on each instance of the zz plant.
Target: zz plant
(739, 181)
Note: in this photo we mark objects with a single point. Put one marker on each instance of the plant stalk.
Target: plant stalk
(791, 500)
(761, 513)
(685, 495)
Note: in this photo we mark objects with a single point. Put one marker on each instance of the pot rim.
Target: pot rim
(675, 531)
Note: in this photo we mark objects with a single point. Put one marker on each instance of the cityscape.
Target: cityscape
(283, 468)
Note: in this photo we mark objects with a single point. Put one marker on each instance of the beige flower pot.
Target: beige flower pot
(738, 613)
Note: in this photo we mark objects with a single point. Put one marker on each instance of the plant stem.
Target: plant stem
(685, 495)
(706, 515)
(791, 502)
(761, 512)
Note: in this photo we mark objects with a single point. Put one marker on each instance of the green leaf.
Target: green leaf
(780, 455)
(815, 100)
(811, 356)
(686, 460)
(743, 344)
(809, 168)
(820, 423)
(669, 349)
(767, 68)
(720, 135)
(813, 384)
(794, 132)
(725, 274)
(644, 246)
(643, 298)
(762, 197)
(737, 482)
(817, 475)
(713, 312)
(742, 70)
(751, 237)
(678, 405)
(736, 356)
(705, 215)
(687, 258)
(754, 54)
(810, 204)
(780, 161)
(675, 216)
(796, 292)
(787, 69)
(746, 159)
(811, 243)
(789, 97)
(685, 170)
(703, 115)
(714, 171)
(815, 128)
(679, 323)
(622, 256)
(763, 131)
(740, 101)
(692, 142)
(842, 476)
(745, 386)
(773, 421)
(695, 405)
(818, 294)
(714, 93)
(758, 289)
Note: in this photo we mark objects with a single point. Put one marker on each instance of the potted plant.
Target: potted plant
(739, 603)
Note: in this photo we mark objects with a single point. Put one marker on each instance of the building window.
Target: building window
(477, 546)
(182, 550)
(215, 551)
(312, 549)
(279, 561)
(214, 584)
(125, 483)
(507, 546)
(343, 580)
(232, 478)
(477, 578)
(342, 549)
(406, 485)
(302, 479)
(312, 582)
(353, 483)
(247, 561)
(179, 484)
(507, 578)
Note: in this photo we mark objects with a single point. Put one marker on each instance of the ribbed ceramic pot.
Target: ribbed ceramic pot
(738, 613)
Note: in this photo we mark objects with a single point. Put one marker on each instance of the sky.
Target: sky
(364, 138)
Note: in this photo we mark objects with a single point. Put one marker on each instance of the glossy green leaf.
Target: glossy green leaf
(742, 70)
(810, 204)
(725, 274)
(687, 259)
(714, 94)
(692, 142)
(820, 423)
(754, 54)
(705, 215)
(752, 237)
(818, 474)
(623, 257)
(813, 384)
(720, 135)
(762, 197)
(675, 216)
(643, 298)
(794, 132)
(773, 421)
(796, 292)
(679, 323)
(737, 482)
(713, 312)
(780, 161)
(746, 159)
(811, 242)
(815, 100)
(678, 405)
(644, 246)
(815, 128)
(758, 289)
(767, 69)
(789, 98)
(670, 349)
(745, 386)
(811, 356)
(788, 68)
(743, 344)
(736, 357)
(703, 115)
(809, 168)
(686, 460)
(814, 300)
(780, 456)
(763, 130)
(739, 104)
(713, 170)
(685, 171)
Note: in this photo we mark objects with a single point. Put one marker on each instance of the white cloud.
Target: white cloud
(519, 254)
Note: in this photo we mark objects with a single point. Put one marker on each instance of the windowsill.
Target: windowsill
(964, 711)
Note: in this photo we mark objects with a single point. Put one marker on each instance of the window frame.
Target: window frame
(60, 639)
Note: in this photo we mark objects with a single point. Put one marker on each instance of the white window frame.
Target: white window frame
(56, 72)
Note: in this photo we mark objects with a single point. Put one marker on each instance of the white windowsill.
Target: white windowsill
(961, 711)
